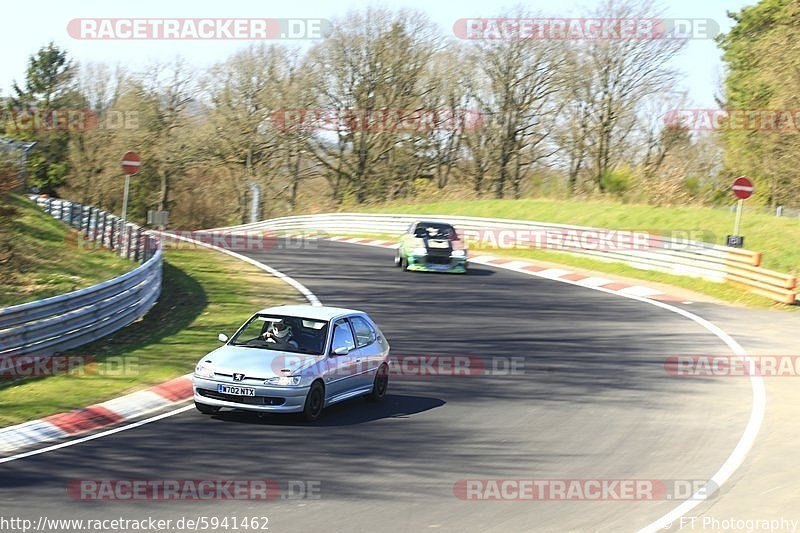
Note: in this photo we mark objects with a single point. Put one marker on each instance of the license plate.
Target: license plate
(438, 244)
(236, 390)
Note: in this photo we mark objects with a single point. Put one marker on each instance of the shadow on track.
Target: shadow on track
(347, 413)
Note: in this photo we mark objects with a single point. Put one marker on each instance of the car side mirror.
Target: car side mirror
(341, 350)
(222, 337)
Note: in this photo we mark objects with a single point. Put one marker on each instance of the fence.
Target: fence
(69, 320)
(681, 257)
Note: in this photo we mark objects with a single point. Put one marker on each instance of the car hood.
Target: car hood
(258, 362)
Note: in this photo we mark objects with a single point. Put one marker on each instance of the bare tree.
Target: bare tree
(613, 77)
(518, 80)
(372, 65)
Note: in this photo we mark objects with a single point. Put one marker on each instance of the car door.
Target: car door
(368, 352)
(340, 377)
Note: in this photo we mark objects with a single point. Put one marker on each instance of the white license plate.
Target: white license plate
(438, 244)
(236, 390)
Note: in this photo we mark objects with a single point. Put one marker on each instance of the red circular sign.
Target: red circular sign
(742, 188)
(131, 163)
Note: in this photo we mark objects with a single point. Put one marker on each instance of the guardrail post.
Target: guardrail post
(102, 230)
(137, 254)
(93, 217)
(112, 234)
(127, 236)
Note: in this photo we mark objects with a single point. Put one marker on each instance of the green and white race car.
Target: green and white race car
(432, 247)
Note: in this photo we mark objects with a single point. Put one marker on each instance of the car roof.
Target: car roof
(316, 312)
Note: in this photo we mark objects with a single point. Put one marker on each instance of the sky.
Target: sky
(27, 27)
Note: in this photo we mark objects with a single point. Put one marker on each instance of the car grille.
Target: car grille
(247, 400)
(439, 256)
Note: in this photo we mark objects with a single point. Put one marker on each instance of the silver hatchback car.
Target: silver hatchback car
(294, 359)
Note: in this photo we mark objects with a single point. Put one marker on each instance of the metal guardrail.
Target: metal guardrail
(100, 228)
(682, 257)
(51, 325)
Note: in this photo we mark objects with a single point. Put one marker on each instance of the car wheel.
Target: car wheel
(315, 401)
(397, 259)
(404, 264)
(206, 409)
(380, 385)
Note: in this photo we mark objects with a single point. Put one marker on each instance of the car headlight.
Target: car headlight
(284, 381)
(459, 253)
(419, 251)
(204, 370)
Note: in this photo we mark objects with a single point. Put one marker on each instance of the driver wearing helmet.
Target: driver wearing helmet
(280, 333)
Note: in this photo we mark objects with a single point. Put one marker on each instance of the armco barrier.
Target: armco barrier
(101, 228)
(673, 256)
(69, 320)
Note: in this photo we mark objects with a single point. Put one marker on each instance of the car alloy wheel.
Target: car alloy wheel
(315, 401)
(380, 385)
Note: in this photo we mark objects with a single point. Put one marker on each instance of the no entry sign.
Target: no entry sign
(131, 163)
(742, 188)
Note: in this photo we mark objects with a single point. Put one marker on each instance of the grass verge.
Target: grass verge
(44, 259)
(203, 293)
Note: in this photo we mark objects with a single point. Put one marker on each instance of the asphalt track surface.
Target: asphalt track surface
(591, 400)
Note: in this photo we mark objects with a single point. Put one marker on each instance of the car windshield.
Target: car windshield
(437, 231)
(284, 333)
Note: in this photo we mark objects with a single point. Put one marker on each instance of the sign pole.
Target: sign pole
(121, 239)
(131, 164)
(742, 189)
(738, 218)
(125, 198)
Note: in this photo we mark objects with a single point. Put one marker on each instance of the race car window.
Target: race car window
(365, 335)
(342, 336)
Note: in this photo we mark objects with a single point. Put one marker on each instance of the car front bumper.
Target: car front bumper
(267, 399)
(421, 264)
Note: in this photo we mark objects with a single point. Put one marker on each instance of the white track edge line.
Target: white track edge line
(757, 412)
(80, 440)
(310, 296)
